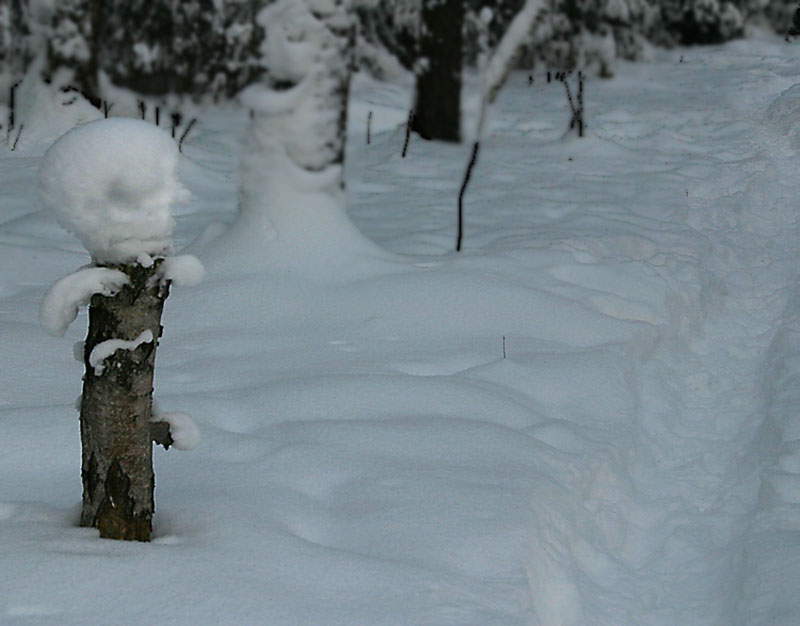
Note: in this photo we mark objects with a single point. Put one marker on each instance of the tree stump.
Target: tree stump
(116, 406)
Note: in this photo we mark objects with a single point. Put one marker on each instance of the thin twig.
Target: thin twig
(467, 174)
(19, 132)
(176, 121)
(369, 125)
(408, 131)
(571, 105)
(580, 104)
(186, 132)
(11, 108)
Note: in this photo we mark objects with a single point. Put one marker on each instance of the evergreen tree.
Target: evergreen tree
(5, 49)
(73, 47)
(199, 48)
(137, 38)
(688, 22)
(390, 28)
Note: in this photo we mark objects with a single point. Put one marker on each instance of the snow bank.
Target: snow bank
(45, 112)
(112, 183)
(61, 302)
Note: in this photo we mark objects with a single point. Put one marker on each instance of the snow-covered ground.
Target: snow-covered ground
(588, 417)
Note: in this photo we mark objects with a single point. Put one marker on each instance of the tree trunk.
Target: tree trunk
(117, 468)
(437, 112)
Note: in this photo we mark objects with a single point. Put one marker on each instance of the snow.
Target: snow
(184, 432)
(587, 417)
(184, 270)
(43, 114)
(61, 302)
(107, 348)
(112, 183)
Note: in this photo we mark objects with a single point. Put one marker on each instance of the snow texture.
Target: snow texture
(184, 270)
(61, 302)
(107, 348)
(184, 432)
(588, 417)
(112, 183)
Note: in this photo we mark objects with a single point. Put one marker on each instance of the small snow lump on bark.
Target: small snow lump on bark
(111, 183)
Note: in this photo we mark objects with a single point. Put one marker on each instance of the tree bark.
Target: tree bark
(437, 112)
(116, 405)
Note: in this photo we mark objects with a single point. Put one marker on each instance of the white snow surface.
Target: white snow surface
(587, 418)
(112, 183)
(184, 432)
(61, 301)
(107, 348)
(184, 270)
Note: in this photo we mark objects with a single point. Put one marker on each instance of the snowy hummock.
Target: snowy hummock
(184, 270)
(107, 348)
(184, 432)
(587, 418)
(112, 183)
(61, 302)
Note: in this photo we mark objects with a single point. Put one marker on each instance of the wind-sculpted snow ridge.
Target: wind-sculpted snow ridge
(587, 418)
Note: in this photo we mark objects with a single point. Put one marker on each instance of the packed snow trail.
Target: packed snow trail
(702, 379)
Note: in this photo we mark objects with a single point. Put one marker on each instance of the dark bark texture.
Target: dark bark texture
(117, 468)
(437, 112)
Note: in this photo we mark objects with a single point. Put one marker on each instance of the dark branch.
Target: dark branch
(160, 434)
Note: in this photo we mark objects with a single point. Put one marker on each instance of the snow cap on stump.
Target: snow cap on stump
(112, 184)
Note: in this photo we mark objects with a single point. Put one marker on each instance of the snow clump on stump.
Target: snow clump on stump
(112, 183)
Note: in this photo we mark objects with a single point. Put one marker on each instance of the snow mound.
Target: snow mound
(112, 183)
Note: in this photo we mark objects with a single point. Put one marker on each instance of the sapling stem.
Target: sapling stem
(408, 132)
(185, 133)
(16, 141)
(467, 174)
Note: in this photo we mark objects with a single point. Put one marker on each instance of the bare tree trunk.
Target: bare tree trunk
(437, 112)
(117, 468)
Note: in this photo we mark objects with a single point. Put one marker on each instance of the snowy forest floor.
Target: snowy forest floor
(588, 417)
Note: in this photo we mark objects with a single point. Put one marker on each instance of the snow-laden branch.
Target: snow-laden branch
(107, 348)
(174, 429)
(184, 270)
(61, 302)
(505, 54)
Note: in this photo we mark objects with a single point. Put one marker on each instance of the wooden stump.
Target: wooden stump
(116, 405)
